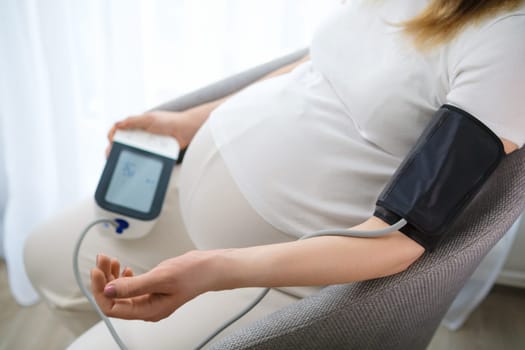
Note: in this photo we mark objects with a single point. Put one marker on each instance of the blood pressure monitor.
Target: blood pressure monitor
(133, 184)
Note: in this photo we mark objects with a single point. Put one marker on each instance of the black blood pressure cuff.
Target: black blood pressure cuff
(451, 160)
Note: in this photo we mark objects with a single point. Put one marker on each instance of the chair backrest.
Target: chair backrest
(401, 311)
(231, 84)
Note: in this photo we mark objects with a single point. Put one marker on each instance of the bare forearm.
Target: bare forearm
(200, 113)
(316, 261)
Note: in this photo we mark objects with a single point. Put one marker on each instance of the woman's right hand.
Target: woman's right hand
(180, 125)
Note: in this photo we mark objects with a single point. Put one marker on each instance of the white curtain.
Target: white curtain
(70, 68)
(3, 196)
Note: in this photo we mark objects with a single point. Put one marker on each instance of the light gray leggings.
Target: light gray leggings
(203, 195)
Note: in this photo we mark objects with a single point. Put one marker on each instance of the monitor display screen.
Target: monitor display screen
(134, 181)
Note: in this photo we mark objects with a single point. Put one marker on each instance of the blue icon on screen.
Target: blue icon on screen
(129, 169)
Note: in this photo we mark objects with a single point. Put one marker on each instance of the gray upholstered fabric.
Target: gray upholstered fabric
(397, 312)
(401, 311)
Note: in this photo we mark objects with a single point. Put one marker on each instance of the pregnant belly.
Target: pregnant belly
(297, 157)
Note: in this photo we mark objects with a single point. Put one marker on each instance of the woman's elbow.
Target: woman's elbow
(407, 251)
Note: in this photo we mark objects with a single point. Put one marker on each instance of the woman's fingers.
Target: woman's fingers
(132, 286)
(142, 121)
(98, 282)
(157, 122)
(127, 272)
(111, 132)
(115, 268)
(108, 149)
(151, 296)
(119, 294)
(150, 307)
(104, 264)
(127, 308)
(133, 308)
(132, 122)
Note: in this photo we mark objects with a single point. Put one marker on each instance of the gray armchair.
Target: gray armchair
(397, 312)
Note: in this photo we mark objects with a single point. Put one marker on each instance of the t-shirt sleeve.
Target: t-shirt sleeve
(487, 76)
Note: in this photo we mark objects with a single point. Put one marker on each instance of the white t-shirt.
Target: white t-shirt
(313, 149)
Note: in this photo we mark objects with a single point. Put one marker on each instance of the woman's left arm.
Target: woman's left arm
(321, 260)
(509, 146)
(315, 261)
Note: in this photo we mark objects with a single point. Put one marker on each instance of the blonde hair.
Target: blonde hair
(442, 20)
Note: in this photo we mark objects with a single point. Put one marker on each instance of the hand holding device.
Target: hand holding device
(180, 125)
